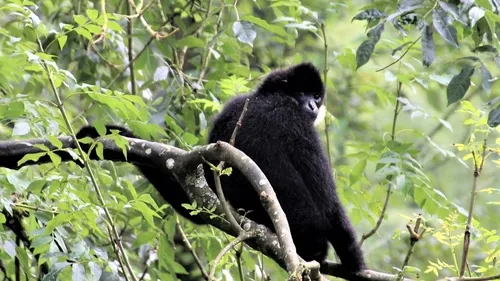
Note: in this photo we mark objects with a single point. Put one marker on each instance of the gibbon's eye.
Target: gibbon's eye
(317, 96)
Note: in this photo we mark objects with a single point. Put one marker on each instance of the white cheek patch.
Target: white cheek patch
(321, 115)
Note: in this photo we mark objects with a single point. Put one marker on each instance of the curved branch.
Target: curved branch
(187, 169)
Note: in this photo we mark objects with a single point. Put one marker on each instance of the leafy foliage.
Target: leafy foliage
(390, 131)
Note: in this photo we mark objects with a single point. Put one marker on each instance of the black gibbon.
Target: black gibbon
(278, 133)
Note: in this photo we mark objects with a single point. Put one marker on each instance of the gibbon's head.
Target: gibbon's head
(301, 82)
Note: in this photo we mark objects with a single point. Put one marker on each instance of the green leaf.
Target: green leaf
(79, 19)
(99, 150)
(172, 124)
(357, 172)
(190, 138)
(161, 73)
(3, 219)
(487, 78)
(78, 272)
(83, 32)
(55, 141)
(178, 268)
(21, 128)
(494, 117)
(376, 32)
(227, 171)
(62, 41)
(166, 252)
(56, 159)
(41, 240)
(475, 14)
(32, 156)
(92, 14)
(364, 52)
(428, 47)
(369, 15)
(190, 42)
(147, 212)
(347, 58)
(485, 48)
(262, 23)
(452, 9)
(459, 85)
(442, 24)
(244, 32)
(55, 270)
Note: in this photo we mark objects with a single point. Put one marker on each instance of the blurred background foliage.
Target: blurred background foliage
(412, 98)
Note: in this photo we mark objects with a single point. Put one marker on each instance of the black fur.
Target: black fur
(278, 134)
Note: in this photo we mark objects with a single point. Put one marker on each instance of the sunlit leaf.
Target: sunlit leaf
(262, 23)
(31, 157)
(475, 14)
(244, 32)
(161, 73)
(61, 40)
(92, 14)
(357, 171)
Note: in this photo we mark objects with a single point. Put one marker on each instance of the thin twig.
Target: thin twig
(380, 218)
(242, 237)
(396, 110)
(208, 49)
(144, 272)
(402, 56)
(225, 204)
(325, 75)
(478, 167)
(220, 167)
(186, 242)
(131, 51)
(104, 28)
(239, 123)
(415, 236)
(389, 186)
(239, 252)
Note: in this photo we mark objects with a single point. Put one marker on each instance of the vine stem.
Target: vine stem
(401, 57)
(325, 74)
(389, 187)
(190, 248)
(86, 162)
(478, 168)
(242, 237)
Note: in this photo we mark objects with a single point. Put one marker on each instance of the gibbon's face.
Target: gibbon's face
(310, 103)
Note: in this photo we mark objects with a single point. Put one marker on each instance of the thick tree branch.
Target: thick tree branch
(185, 166)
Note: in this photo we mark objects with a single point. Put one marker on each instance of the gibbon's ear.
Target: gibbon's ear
(321, 116)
